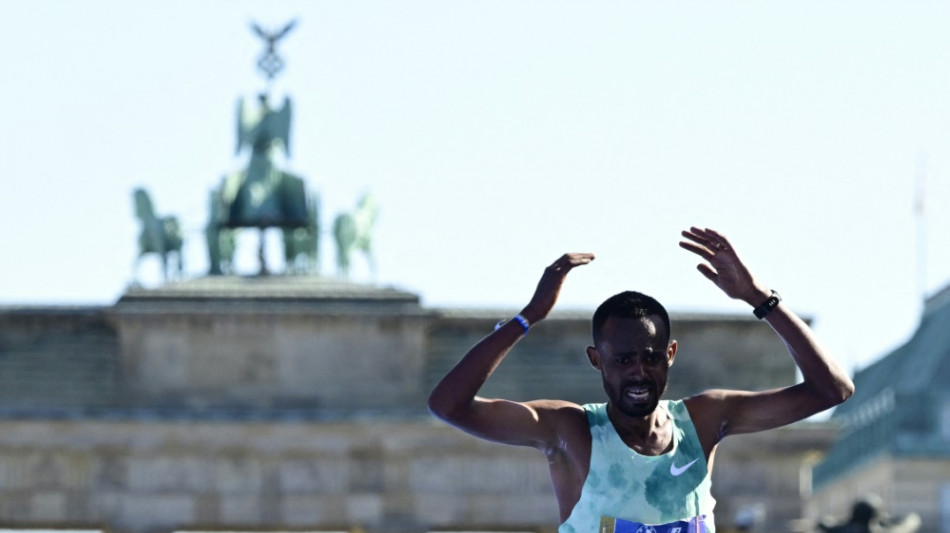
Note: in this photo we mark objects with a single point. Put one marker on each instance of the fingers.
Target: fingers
(545, 295)
(701, 251)
(571, 260)
(708, 244)
(705, 242)
(707, 271)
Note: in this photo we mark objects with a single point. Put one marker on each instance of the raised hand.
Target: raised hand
(550, 285)
(723, 266)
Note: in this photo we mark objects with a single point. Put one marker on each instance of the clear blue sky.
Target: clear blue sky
(498, 135)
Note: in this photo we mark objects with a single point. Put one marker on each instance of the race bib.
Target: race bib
(619, 525)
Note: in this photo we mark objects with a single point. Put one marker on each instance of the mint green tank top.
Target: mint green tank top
(653, 490)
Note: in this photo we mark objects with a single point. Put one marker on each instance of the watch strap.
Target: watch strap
(767, 306)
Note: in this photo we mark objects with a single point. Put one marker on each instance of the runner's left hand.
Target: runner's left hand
(723, 266)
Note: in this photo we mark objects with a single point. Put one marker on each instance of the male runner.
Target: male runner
(639, 464)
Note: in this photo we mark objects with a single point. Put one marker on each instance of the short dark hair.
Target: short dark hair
(629, 304)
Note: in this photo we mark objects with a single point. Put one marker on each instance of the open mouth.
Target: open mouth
(638, 393)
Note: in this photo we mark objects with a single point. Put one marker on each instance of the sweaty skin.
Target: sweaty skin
(634, 357)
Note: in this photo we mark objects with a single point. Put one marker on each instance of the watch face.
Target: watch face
(767, 306)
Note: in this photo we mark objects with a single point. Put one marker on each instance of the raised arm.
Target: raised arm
(824, 385)
(454, 398)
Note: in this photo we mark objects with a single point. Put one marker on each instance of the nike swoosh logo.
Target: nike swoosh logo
(675, 471)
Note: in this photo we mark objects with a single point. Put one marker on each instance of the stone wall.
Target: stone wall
(57, 357)
(291, 359)
(271, 344)
(163, 476)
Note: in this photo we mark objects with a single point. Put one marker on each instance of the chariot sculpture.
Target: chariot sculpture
(262, 195)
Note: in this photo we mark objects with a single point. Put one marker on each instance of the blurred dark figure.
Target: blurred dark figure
(867, 517)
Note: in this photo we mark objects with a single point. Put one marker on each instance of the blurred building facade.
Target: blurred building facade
(895, 440)
(298, 403)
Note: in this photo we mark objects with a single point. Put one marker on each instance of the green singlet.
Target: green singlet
(652, 490)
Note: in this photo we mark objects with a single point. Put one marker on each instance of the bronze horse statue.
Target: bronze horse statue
(159, 235)
(221, 241)
(353, 232)
(302, 244)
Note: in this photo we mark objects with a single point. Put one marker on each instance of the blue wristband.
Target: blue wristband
(522, 321)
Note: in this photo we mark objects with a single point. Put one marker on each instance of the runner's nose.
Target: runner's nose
(637, 368)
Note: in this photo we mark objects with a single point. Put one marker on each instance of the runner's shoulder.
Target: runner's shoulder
(711, 399)
(561, 414)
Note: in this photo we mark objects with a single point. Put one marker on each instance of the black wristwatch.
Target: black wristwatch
(767, 305)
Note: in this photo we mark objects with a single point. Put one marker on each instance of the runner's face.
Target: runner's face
(634, 358)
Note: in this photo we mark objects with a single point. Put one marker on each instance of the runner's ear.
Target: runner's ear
(593, 357)
(671, 352)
